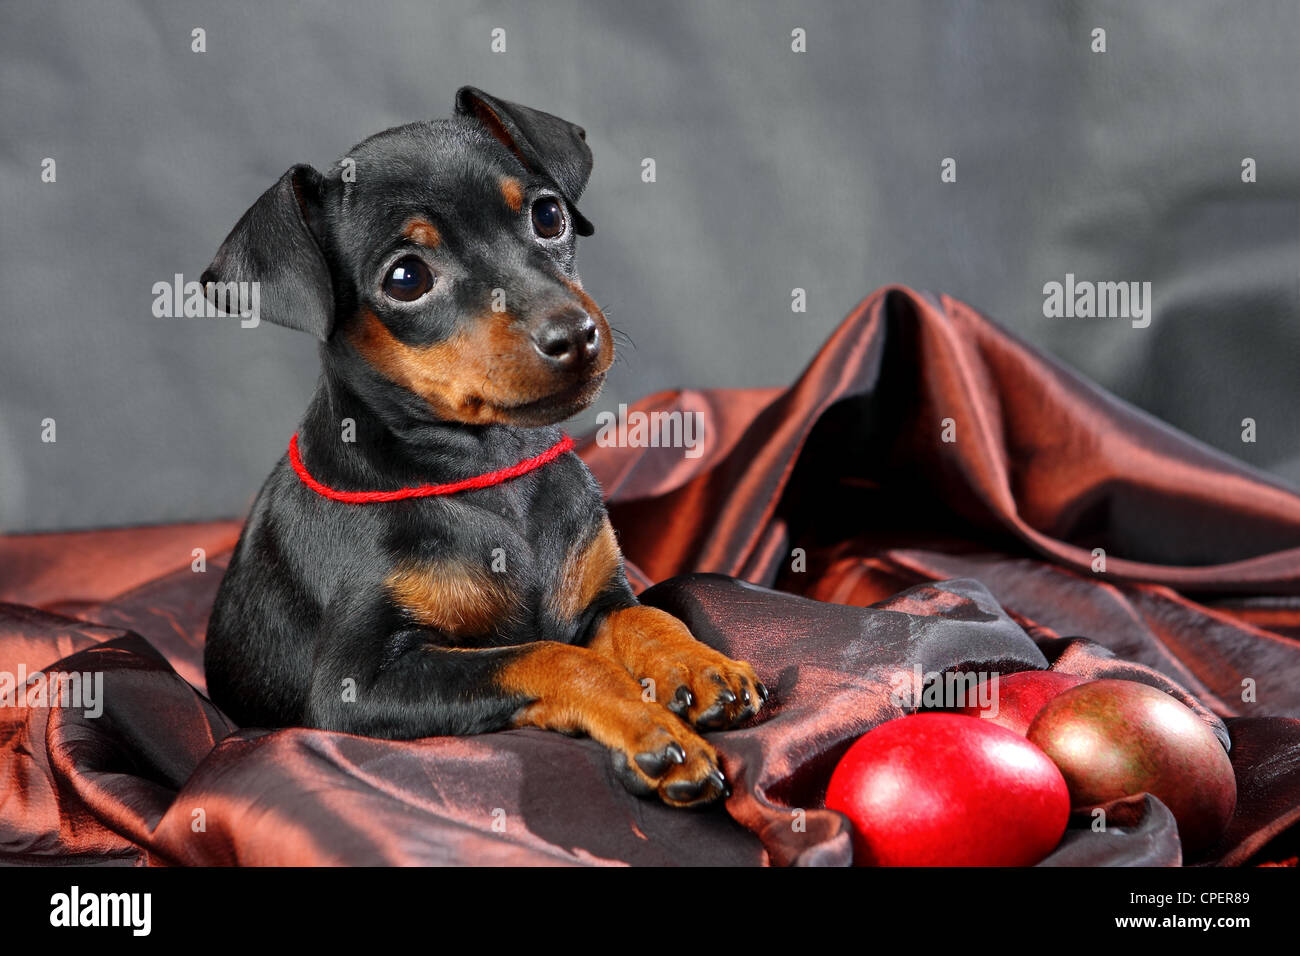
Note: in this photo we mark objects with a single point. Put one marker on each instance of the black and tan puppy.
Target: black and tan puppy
(436, 266)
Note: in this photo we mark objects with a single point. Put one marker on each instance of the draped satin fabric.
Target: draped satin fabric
(930, 495)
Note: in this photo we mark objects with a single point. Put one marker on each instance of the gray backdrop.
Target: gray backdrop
(776, 170)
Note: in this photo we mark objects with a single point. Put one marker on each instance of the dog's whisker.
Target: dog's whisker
(622, 336)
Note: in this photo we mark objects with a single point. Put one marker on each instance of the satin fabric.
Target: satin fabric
(828, 533)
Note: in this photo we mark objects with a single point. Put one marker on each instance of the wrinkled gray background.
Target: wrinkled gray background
(775, 170)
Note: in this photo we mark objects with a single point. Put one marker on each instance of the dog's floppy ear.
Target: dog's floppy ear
(545, 144)
(273, 246)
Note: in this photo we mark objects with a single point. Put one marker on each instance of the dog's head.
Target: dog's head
(439, 258)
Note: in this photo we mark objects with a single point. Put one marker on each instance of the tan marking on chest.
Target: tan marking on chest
(453, 597)
(587, 570)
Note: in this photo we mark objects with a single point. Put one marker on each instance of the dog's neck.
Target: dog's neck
(363, 438)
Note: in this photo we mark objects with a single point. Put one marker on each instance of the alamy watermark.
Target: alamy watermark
(133, 911)
(640, 429)
(1082, 299)
(68, 689)
(936, 690)
(212, 300)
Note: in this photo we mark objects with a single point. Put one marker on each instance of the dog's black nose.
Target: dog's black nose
(568, 339)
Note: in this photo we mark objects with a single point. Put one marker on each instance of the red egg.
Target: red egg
(1113, 738)
(949, 790)
(1019, 697)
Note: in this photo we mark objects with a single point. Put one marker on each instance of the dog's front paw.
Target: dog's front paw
(708, 688)
(699, 684)
(661, 756)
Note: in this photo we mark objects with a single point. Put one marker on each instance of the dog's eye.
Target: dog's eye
(408, 279)
(548, 218)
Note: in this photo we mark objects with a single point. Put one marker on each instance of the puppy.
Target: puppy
(429, 557)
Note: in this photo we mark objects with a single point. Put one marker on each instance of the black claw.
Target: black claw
(652, 765)
(683, 790)
(717, 779)
(634, 782)
(762, 692)
(675, 753)
(684, 696)
(744, 695)
(726, 696)
(712, 718)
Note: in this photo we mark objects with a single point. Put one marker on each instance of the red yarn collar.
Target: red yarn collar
(497, 477)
